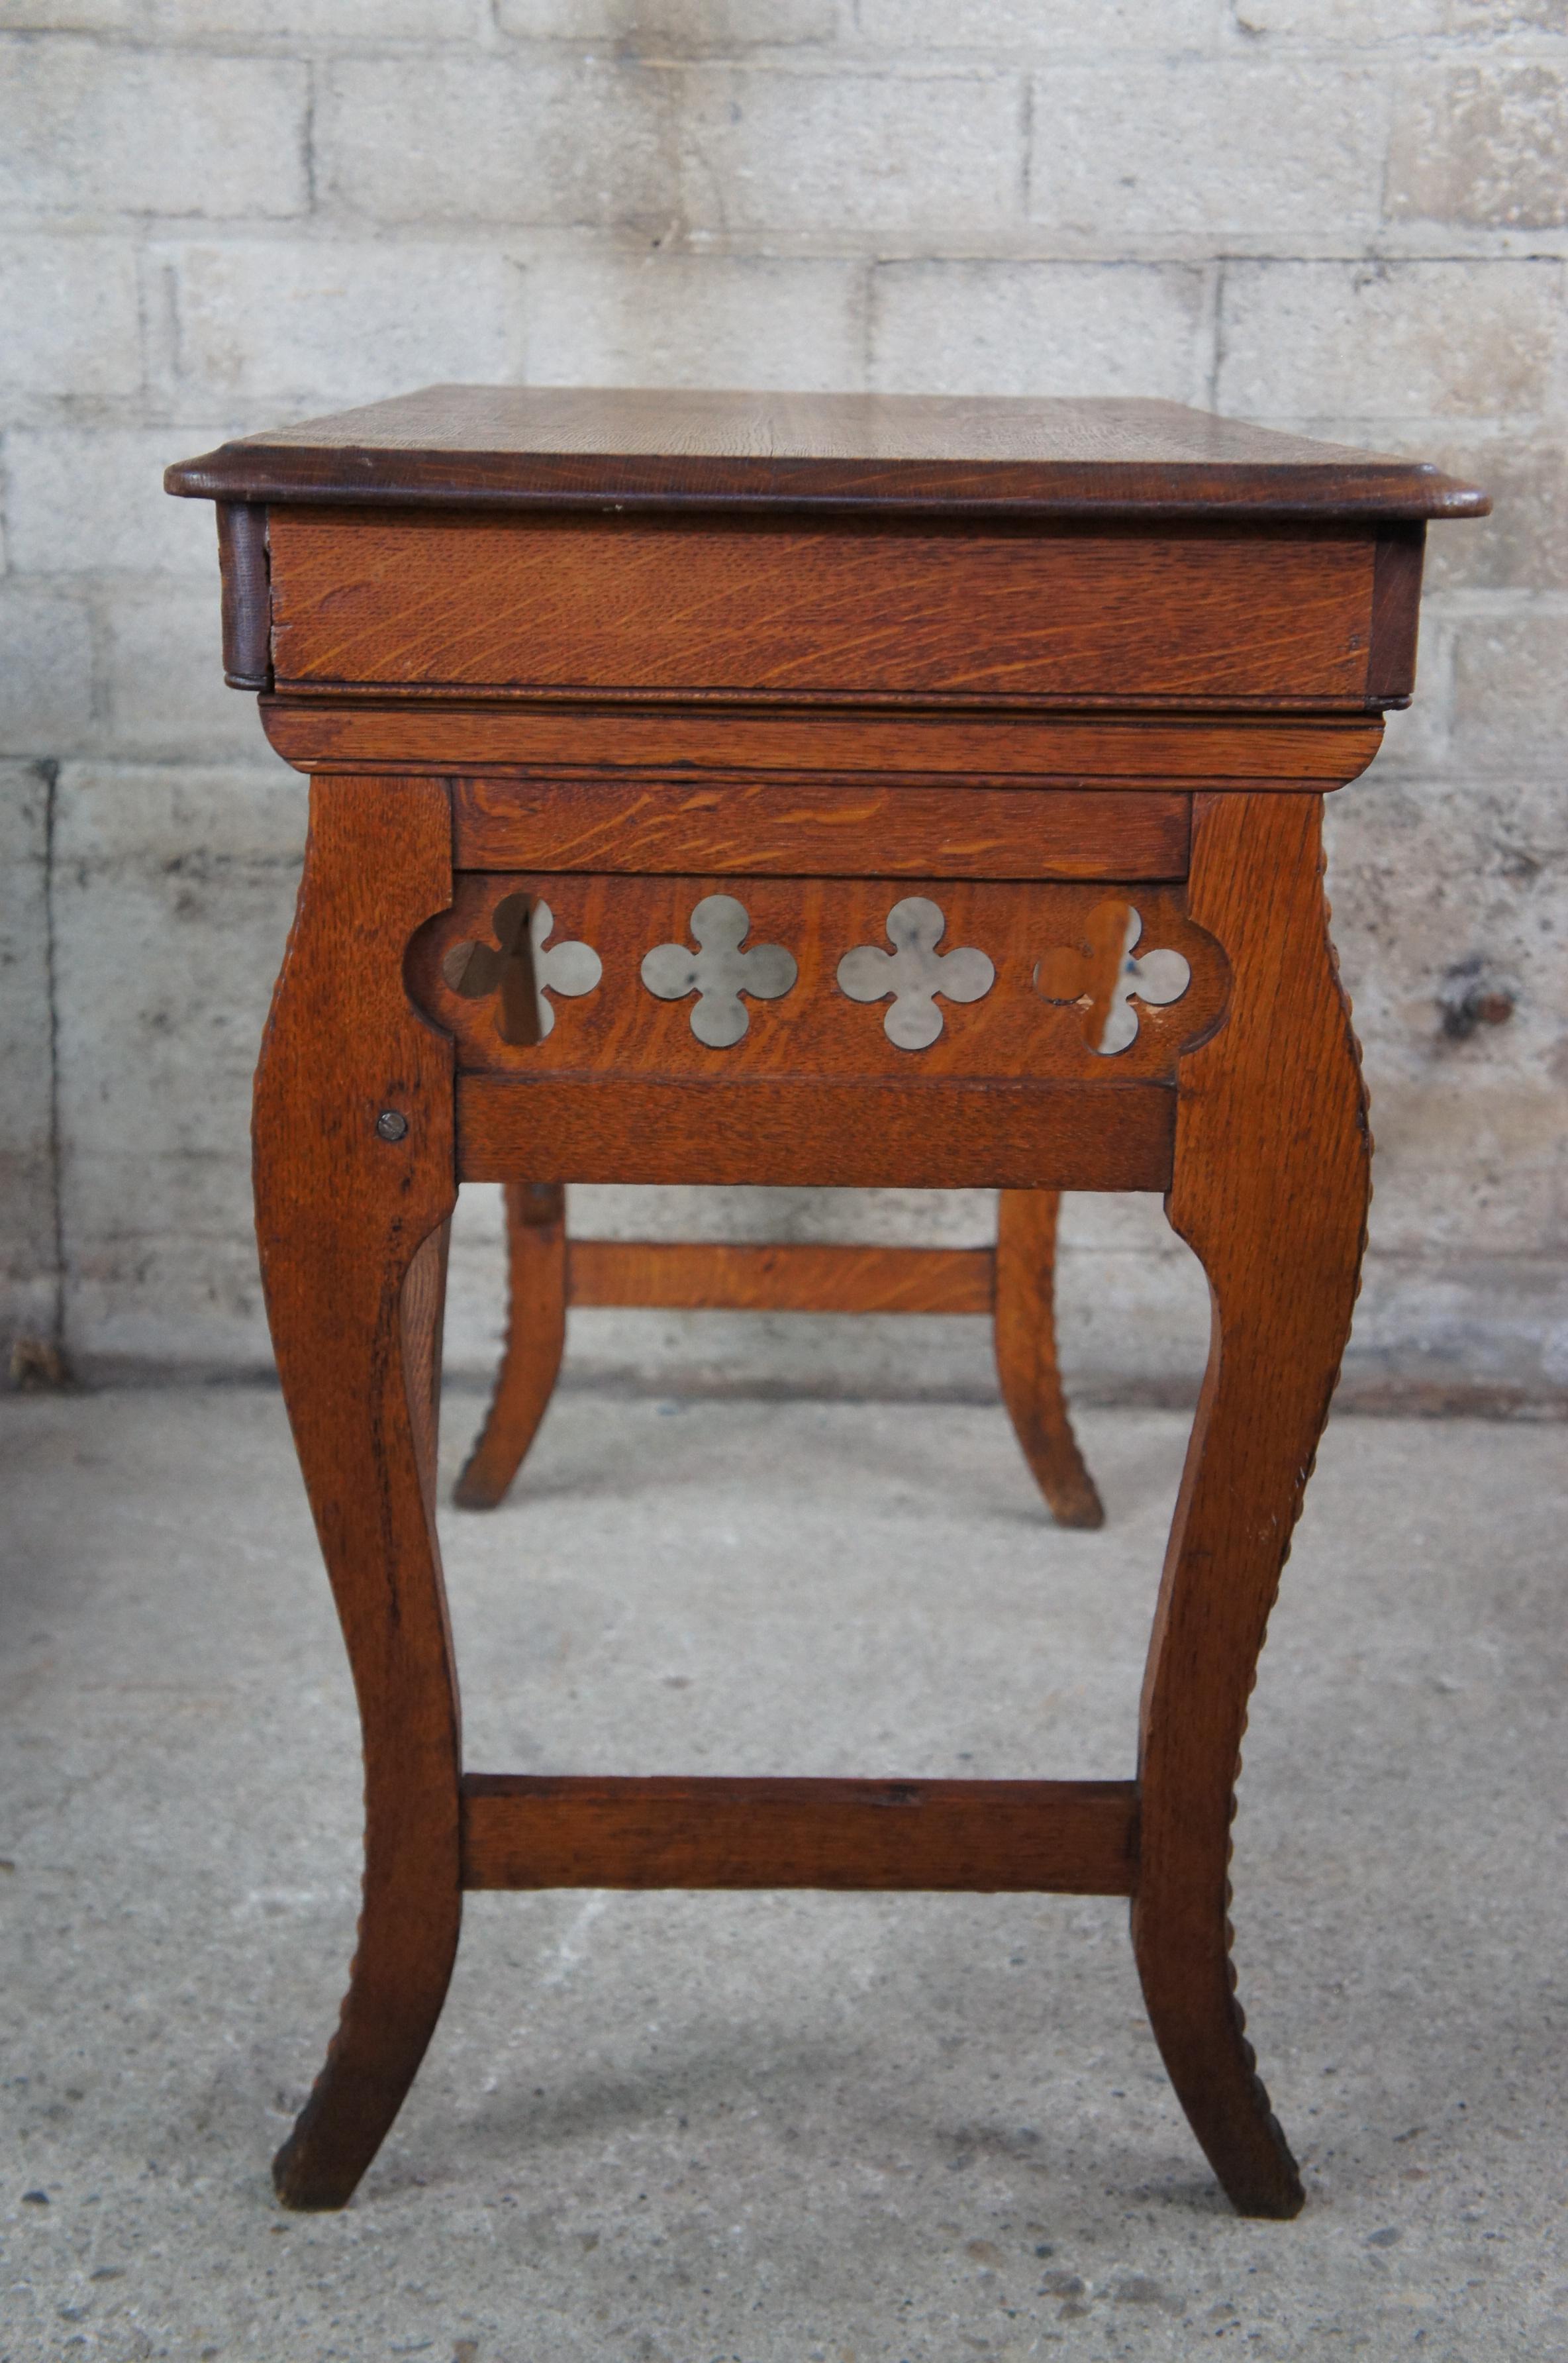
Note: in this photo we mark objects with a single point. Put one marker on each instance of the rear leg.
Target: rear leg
(1031, 1379)
(535, 1338)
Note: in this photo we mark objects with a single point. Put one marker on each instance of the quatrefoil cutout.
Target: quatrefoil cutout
(914, 972)
(524, 968)
(1101, 971)
(718, 972)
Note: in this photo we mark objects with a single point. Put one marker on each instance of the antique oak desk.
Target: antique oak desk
(730, 788)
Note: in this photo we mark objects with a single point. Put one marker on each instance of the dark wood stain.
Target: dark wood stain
(522, 447)
(1067, 1838)
(1396, 611)
(247, 595)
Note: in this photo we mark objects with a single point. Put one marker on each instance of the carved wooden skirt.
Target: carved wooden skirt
(842, 848)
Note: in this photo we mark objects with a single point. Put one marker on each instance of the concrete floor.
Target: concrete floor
(696, 2128)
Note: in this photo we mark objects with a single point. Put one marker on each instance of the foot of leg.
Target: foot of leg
(351, 1221)
(535, 1338)
(1026, 1354)
(1270, 1189)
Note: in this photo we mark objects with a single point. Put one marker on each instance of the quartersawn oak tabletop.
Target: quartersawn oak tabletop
(549, 447)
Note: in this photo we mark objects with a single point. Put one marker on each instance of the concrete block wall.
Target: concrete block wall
(1349, 216)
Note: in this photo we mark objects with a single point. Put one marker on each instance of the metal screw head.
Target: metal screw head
(391, 1125)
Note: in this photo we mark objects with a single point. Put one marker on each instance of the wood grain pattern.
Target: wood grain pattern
(867, 1134)
(1270, 1189)
(351, 1230)
(620, 1027)
(522, 447)
(422, 1312)
(617, 602)
(1027, 1368)
(1247, 752)
(726, 641)
(834, 829)
(1073, 1837)
(534, 1342)
(707, 1275)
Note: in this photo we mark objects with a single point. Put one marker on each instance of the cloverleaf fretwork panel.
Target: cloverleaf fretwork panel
(522, 968)
(839, 976)
(721, 974)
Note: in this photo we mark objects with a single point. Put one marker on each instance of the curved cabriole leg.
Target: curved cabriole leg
(536, 1339)
(1271, 1188)
(1025, 1321)
(352, 1229)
